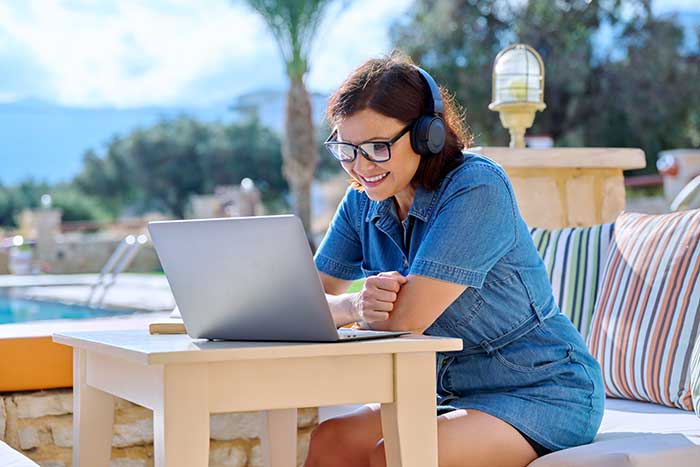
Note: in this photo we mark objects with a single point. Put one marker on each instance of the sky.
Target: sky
(127, 53)
(131, 53)
(131, 59)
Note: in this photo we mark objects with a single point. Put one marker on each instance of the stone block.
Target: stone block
(256, 459)
(28, 437)
(307, 417)
(121, 404)
(62, 432)
(228, 456)
(128, 412)
(539, 201)
(133, 434)
(581, 201)
(44, 403)
(230, 426)
(303, 438)
(613, 202)
(127, 462)
(3, 418)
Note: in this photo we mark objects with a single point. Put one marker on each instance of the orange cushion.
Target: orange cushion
(31, 363)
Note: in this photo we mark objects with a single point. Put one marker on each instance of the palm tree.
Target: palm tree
(294, 24)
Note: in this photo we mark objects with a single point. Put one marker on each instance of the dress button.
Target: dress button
(405, 262)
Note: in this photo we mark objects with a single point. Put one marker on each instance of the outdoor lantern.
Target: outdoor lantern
(518, 89)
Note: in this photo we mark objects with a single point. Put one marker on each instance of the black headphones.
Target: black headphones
(428, 132)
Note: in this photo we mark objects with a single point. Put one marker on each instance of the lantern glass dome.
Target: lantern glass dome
(518, 76)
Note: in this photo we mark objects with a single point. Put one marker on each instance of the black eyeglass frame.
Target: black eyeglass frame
(330, 142)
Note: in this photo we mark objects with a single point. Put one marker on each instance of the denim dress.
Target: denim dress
(523, 361)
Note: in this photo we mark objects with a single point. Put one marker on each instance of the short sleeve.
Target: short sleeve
(340, 252)
(474, 227)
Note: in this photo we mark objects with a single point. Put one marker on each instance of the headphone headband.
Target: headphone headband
(428, 133)
(435, 105)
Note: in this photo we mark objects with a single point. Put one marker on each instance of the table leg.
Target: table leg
(409, 424)
(93, 418)
(278, 440)
(181, 417)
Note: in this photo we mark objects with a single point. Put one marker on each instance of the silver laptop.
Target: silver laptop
(248, 278)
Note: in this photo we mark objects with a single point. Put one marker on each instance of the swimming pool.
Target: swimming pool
(19, 310)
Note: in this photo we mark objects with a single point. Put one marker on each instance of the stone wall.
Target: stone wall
(89, 255)
(568, 197)
(86, 254)
(40, 425)
(568, 187)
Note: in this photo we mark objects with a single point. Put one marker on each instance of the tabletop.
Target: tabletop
(142, 347)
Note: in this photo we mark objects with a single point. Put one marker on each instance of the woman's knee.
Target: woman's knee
(378, 456)
(327, 445)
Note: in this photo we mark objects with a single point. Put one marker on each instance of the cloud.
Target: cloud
(169, 52)
(349, 37)
(21, 75)
(131, 53)
(128, 53)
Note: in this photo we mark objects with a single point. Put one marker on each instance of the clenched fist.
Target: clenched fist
(376, 299)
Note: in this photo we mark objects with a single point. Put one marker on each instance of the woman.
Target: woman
(438, 235)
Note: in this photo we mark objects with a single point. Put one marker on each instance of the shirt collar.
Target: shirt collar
(422, 207)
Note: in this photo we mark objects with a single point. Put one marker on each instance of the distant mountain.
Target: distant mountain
(269, 106)
(47, 142)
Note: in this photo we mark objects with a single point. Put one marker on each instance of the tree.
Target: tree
(456, 41)
(563, 35)
(160, 167)
(294, 24)
(649, 97)
(635, 90)
(75, 206)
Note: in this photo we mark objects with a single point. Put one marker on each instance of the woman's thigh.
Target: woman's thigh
(466, 438)
(472, 438)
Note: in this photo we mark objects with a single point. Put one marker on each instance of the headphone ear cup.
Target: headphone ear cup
(428, 135)
(436, 135)
(419, 136)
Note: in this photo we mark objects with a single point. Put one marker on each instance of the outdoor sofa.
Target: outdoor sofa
(614, 281)
(11, 458)
(632, 288)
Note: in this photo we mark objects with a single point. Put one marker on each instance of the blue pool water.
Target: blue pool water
(21, 310)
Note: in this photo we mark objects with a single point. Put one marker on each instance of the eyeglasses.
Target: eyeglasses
(374, 151)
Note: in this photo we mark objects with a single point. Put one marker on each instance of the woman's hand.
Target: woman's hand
(376, 299)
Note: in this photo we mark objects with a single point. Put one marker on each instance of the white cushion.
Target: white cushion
(624, 418)
(11, 458)
(636, 434)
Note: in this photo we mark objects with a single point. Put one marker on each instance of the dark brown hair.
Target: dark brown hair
(392, 86)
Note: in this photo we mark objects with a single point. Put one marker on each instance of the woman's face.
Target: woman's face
(395, 174)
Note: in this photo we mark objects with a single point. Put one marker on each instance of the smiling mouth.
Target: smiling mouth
(374, 179)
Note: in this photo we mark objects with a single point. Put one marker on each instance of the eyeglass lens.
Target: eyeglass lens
(376, 152)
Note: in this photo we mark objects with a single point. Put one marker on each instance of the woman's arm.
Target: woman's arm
(339, 302)
(373, 303)
(420, 302)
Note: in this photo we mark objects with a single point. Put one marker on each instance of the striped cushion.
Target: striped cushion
(695, 376)
(647, 316)
(574, 258)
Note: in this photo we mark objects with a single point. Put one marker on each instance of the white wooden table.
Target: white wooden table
(183, 381)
